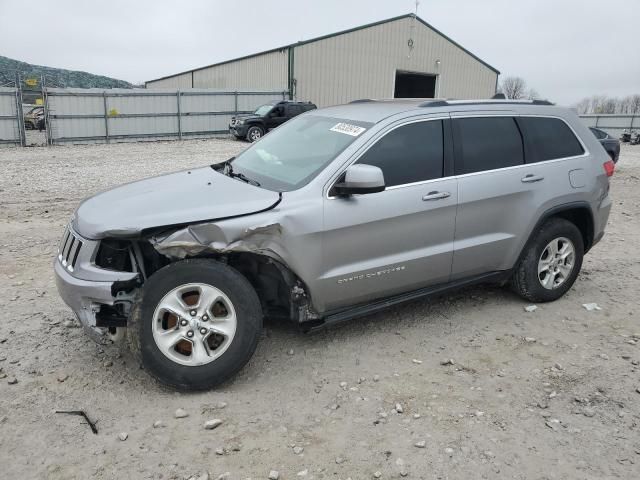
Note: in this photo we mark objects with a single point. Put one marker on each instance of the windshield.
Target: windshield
(293, 154)
(263, 110)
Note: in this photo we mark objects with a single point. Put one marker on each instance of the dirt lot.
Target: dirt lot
(551, 394)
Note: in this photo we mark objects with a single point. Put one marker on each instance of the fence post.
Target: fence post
(597, 118)
(22, 134)
(106, 116)
(47, 119)
(178, 95)
(631, 126)
(235, 108)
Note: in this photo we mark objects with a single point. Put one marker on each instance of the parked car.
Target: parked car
(628, 135)
(339, 213)
(266, 117)
(32, 117)
(610, 144)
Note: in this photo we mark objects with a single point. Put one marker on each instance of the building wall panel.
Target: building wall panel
(262, 72)
(182, 80)
(363, 63)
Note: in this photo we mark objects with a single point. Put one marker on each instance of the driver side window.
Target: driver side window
(410, 153)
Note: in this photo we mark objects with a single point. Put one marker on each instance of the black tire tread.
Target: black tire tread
(237, 286)
(254, 126)
(527, 285)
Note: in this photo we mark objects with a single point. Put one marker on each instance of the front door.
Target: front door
(276, 117)
(380, 244)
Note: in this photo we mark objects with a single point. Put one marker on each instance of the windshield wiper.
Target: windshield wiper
(228, 171)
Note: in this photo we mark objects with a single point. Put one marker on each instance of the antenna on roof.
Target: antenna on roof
(412, 29)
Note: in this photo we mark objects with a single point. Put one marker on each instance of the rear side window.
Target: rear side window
(294, 110)
(550, 138)
(408, 154)
(487, 143)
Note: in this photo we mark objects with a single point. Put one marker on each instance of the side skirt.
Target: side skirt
(339, 316)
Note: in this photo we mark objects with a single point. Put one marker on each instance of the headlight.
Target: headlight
(239, 122)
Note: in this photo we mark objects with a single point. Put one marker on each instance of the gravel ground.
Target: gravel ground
(549, 394)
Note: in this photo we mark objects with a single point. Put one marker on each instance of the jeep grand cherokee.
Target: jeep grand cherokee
(340, 212)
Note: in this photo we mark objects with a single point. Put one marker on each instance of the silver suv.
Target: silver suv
(340, 212)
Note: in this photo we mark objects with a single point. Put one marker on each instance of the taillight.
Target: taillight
(609, 167)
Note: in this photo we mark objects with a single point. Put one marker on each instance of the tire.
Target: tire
(255, 133)
(537, 268)
(179, 365)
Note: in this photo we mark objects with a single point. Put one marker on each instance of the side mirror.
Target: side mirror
(360, 179)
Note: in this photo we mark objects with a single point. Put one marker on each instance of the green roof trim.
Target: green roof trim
(285, 48)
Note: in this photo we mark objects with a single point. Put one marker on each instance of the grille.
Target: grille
(69, 249)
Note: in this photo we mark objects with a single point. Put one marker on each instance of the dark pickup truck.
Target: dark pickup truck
(266, 117)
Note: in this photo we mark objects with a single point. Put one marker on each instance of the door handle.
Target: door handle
(531, 178)
(436, 196)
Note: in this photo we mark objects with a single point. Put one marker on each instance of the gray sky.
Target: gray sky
(565, 49)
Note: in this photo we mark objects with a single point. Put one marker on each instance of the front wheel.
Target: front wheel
(197, 324)
(551, 262)
(254, 134)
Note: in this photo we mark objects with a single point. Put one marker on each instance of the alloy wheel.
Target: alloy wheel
(194, 324)
(556, 263)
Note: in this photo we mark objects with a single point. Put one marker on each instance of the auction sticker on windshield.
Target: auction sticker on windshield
(347, 128)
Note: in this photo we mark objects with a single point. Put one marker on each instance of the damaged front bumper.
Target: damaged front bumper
(86, 288)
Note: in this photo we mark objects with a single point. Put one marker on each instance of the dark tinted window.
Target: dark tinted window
(488, 143)
(598, 133)
(550, 138)
(411, 153)
(294, 110)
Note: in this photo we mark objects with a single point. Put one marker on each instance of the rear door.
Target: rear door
(293, 110)
(401, 239)
(493, 199)
(505, 183)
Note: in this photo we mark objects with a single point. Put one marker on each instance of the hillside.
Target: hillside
(55, 77)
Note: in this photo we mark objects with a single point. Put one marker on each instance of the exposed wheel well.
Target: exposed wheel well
(581, 217)
(268, 279)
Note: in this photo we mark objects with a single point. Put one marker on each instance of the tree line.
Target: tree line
(605, 104)
(516, 88)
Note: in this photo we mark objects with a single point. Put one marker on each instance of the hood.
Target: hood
(178, 198)
(246, 116)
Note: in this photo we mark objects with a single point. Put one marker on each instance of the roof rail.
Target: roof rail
(361, 100)
(497, 101)
(543, 102)
(434, 103)
(499, 96)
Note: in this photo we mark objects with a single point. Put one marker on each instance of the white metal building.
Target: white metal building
(399, 57)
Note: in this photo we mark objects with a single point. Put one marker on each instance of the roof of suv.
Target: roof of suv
(373, 111)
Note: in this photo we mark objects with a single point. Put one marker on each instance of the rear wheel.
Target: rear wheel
(197, 324)
(551, 262)
(254, 134)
